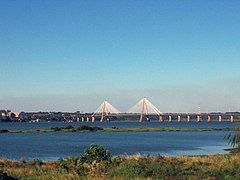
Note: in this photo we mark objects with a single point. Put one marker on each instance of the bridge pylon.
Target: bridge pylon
(145, 107)
(104, 109)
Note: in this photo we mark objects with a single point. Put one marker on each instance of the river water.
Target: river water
(52, 146)
(183, 124)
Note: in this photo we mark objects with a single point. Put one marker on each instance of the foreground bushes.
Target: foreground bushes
(97, 162)
(4, 176)
(95, 153)
(144, 167)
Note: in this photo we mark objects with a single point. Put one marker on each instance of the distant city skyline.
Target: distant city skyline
(72, 55)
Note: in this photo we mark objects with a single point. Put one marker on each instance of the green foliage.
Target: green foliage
(88, 128)
(71, 165)
(97, 163)
(233, 139)
(95, 153)
(146, 167)
(63, 165)
(4, 176)
(38, 162)
(57, 129)
(96, 160)
(69, 127)
(3, 131)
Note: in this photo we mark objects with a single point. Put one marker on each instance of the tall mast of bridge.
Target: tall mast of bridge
(145, 107)
(105, 108)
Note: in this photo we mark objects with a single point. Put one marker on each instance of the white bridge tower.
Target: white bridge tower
(104, 109)
(145, 107)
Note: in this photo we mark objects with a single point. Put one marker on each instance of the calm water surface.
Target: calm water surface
(43, 125)
(52, 146)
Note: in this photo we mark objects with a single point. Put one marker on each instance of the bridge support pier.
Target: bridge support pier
(169, 118)
(231, 118)
(198, 118)
(188, 118)
(160, 118)
(208, 118)
(141, 117)
(220, 118)
(179, 118)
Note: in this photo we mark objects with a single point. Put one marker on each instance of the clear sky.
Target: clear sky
(63, 55)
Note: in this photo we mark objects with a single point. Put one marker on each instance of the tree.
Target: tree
(95, 153)
(233, 139)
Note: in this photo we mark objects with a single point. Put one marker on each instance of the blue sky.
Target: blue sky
(64, 55)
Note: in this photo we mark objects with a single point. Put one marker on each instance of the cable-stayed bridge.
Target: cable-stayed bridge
(145, 109)
(105, 109)
(144, 106)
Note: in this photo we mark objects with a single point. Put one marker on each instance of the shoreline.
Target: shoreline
(115, 129)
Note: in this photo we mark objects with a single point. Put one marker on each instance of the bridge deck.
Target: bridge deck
(167, 114)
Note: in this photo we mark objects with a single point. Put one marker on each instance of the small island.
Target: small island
(86, 128)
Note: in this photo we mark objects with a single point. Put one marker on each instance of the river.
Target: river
(52, 146)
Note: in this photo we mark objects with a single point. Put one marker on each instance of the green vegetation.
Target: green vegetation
(95, 153)
(4, 176)
(165, 129)
(3, 130)
(86, 128)
(234, 141)
(98, 163)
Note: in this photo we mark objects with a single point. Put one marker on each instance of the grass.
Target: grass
(166, 129)
(129, 167)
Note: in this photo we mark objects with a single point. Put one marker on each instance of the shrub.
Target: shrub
(1, 164)
(62, 165)
(83, 127)
(4, 176)
(37, 162)
(233, 139)
(69, 127)
(88, 128)
(95, 128)
(57, 128)
(4, 130)
(95, 153)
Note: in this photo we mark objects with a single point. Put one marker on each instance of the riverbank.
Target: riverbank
(86, 128)
(128, 167)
